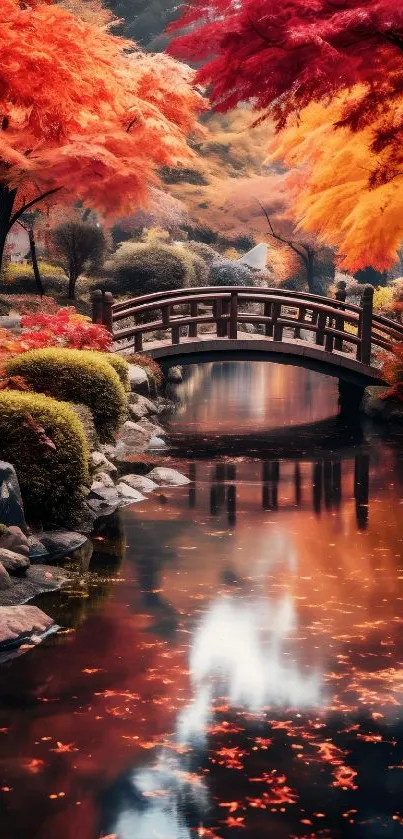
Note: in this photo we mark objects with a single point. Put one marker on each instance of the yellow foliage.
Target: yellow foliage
(232, 253)
(23, 270)
(331, 185)
(383, 298)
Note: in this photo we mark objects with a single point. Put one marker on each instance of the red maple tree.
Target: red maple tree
(281, 56)
(84, 115)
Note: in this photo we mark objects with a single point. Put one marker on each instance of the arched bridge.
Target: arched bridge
(203, 324)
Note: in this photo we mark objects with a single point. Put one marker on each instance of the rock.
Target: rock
(143, 401)
(13, 539)
(157, 443)
(113, 452)
(133, 434)
(138, 462)
(137, 411)
(138, 379)
(37, 550)
(175, 375)
(99, 463)
(12, 323)
(11, 506)
(22, 625)
(384, 409)
(109, 494)
(13, 563)
(168, 477)
(60, 543)
(154, 430)
(102, 479)
(5, 579)
(140, 482)
(99, 507)
(129, 495)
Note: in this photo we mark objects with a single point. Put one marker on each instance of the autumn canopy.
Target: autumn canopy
(84, 114)
(330, 75)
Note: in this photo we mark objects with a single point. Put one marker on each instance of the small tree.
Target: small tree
(78, 247)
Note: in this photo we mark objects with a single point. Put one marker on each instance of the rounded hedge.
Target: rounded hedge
(143, 268)
(45, 442)
(226, 272)
(118, 363)
(79, 376)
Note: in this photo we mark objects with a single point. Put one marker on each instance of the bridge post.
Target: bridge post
(320, 335)
(233, 321)
(97, 306)
(107, 303)
(341, 294)
(193, 327)
(365, 325)
(268, 329)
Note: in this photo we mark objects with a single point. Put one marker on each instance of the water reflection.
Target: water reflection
(241, 672)
(325, 491)
(227, 396)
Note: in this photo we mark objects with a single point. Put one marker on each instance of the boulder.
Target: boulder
(99, 463)
(129, 495)
(154, 430)
(37, 551)
(37, 579)
(13, 539)
(5, 579)
(60, 543)
(168, 477)
(175, 375)
(138, 379)
(11, 506)
(102, 479)
(157, 443)
(26, 625)
(13, 563)
(145, 403)
(113, 452)
(137, 412)
(140, 483)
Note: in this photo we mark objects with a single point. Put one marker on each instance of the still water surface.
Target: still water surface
(237, 668)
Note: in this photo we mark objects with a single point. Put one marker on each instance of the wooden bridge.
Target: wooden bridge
(203, 324)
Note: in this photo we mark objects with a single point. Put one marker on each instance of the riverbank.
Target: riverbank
(122, 474)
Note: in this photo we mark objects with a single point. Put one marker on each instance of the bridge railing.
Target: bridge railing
(332, 321)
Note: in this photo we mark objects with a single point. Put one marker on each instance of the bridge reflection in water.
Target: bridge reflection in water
(315, 486)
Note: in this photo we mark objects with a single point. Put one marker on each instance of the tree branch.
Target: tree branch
(279, 238)
(29, 204)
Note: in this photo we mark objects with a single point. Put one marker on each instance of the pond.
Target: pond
(233, 665)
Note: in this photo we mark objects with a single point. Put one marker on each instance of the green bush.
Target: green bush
(79, 376)
(50, 478)
(143, 268)
(118, 363)
(205, 252)
(226, 272)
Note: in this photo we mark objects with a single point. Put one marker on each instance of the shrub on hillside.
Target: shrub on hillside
(225, 272)
(75, 376)
(206, 252)
(143, 268)
(45, 441)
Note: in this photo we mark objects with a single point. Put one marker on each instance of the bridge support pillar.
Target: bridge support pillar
(350, 397)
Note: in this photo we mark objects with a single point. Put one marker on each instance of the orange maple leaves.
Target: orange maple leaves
(85, 111)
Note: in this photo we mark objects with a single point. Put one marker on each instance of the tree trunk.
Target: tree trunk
(310, 273)
(72, 286)
(34, 260)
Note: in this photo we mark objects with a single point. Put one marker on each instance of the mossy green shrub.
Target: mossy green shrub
(79, 376)
(142, 268)
(45, 442)
(118, 363)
